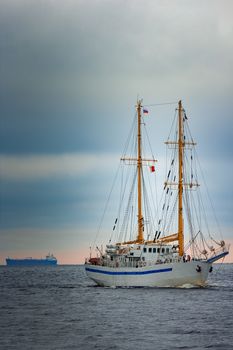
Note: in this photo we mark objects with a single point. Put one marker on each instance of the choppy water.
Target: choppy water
(59, 308)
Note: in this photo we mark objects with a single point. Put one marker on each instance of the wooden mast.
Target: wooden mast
(180, 144)
(140, 237)
(180, 184)
(139, 161)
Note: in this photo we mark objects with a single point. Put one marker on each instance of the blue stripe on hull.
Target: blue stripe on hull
(128, 272)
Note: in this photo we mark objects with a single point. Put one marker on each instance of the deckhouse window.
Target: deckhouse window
(144, 250)
(163, 250)
(167, 250)
(150, 250)
(154, 250)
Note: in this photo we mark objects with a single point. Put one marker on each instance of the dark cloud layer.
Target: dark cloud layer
(67, 68)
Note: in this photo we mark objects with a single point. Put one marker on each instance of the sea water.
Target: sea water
(60, 308)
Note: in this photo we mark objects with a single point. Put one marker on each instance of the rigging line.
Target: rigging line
(148, 212)
(149, 200)
(131, 153)
(150, 187)
(130, 135)
(189, 131)
(191, 214)
(187, 201)
(199, 212)
(146, 216)
(124, 226)
(166, 216)
(193, 207)
(173, 124)
(163, 195)
(115, 229)
(208, 195)
(198, 206)
(120, 202)
(122, 188)
(131, 223)
(156, 195)
(204, 213)
(170, 220)
(200, 202)
(161, 104)
(168, 201)
(172, 166)
(105, 208)
(148, 140)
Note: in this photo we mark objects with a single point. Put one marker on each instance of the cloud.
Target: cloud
(84, 66)
(84, 44)
(36, 167)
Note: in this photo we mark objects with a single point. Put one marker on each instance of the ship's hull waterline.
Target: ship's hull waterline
(160, 275)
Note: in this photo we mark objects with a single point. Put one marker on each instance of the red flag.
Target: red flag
(152, 168)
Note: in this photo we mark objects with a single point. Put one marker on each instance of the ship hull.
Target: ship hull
(160, 275)
(30, 262)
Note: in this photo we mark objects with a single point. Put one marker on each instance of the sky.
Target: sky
(71, 73)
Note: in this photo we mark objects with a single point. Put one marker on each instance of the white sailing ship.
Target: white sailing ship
(174, 252)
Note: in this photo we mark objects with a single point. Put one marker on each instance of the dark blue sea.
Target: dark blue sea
(54, 308)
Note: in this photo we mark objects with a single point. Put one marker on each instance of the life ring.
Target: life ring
(198, 268)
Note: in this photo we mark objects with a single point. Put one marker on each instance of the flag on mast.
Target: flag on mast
(152, 168)
(145, 111)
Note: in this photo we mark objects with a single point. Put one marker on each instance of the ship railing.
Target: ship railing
(121, 264)
(138, 263)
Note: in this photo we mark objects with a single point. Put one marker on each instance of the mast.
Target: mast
(139, 172)
(180, 184)
(139, 161)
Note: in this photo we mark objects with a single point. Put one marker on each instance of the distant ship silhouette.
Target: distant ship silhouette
(49, 260)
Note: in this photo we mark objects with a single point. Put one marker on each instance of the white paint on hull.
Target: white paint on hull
(159, 275)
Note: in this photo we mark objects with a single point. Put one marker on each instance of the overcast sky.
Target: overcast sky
(71, 72)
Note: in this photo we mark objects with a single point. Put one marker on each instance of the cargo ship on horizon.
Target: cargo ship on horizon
(47, 261)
